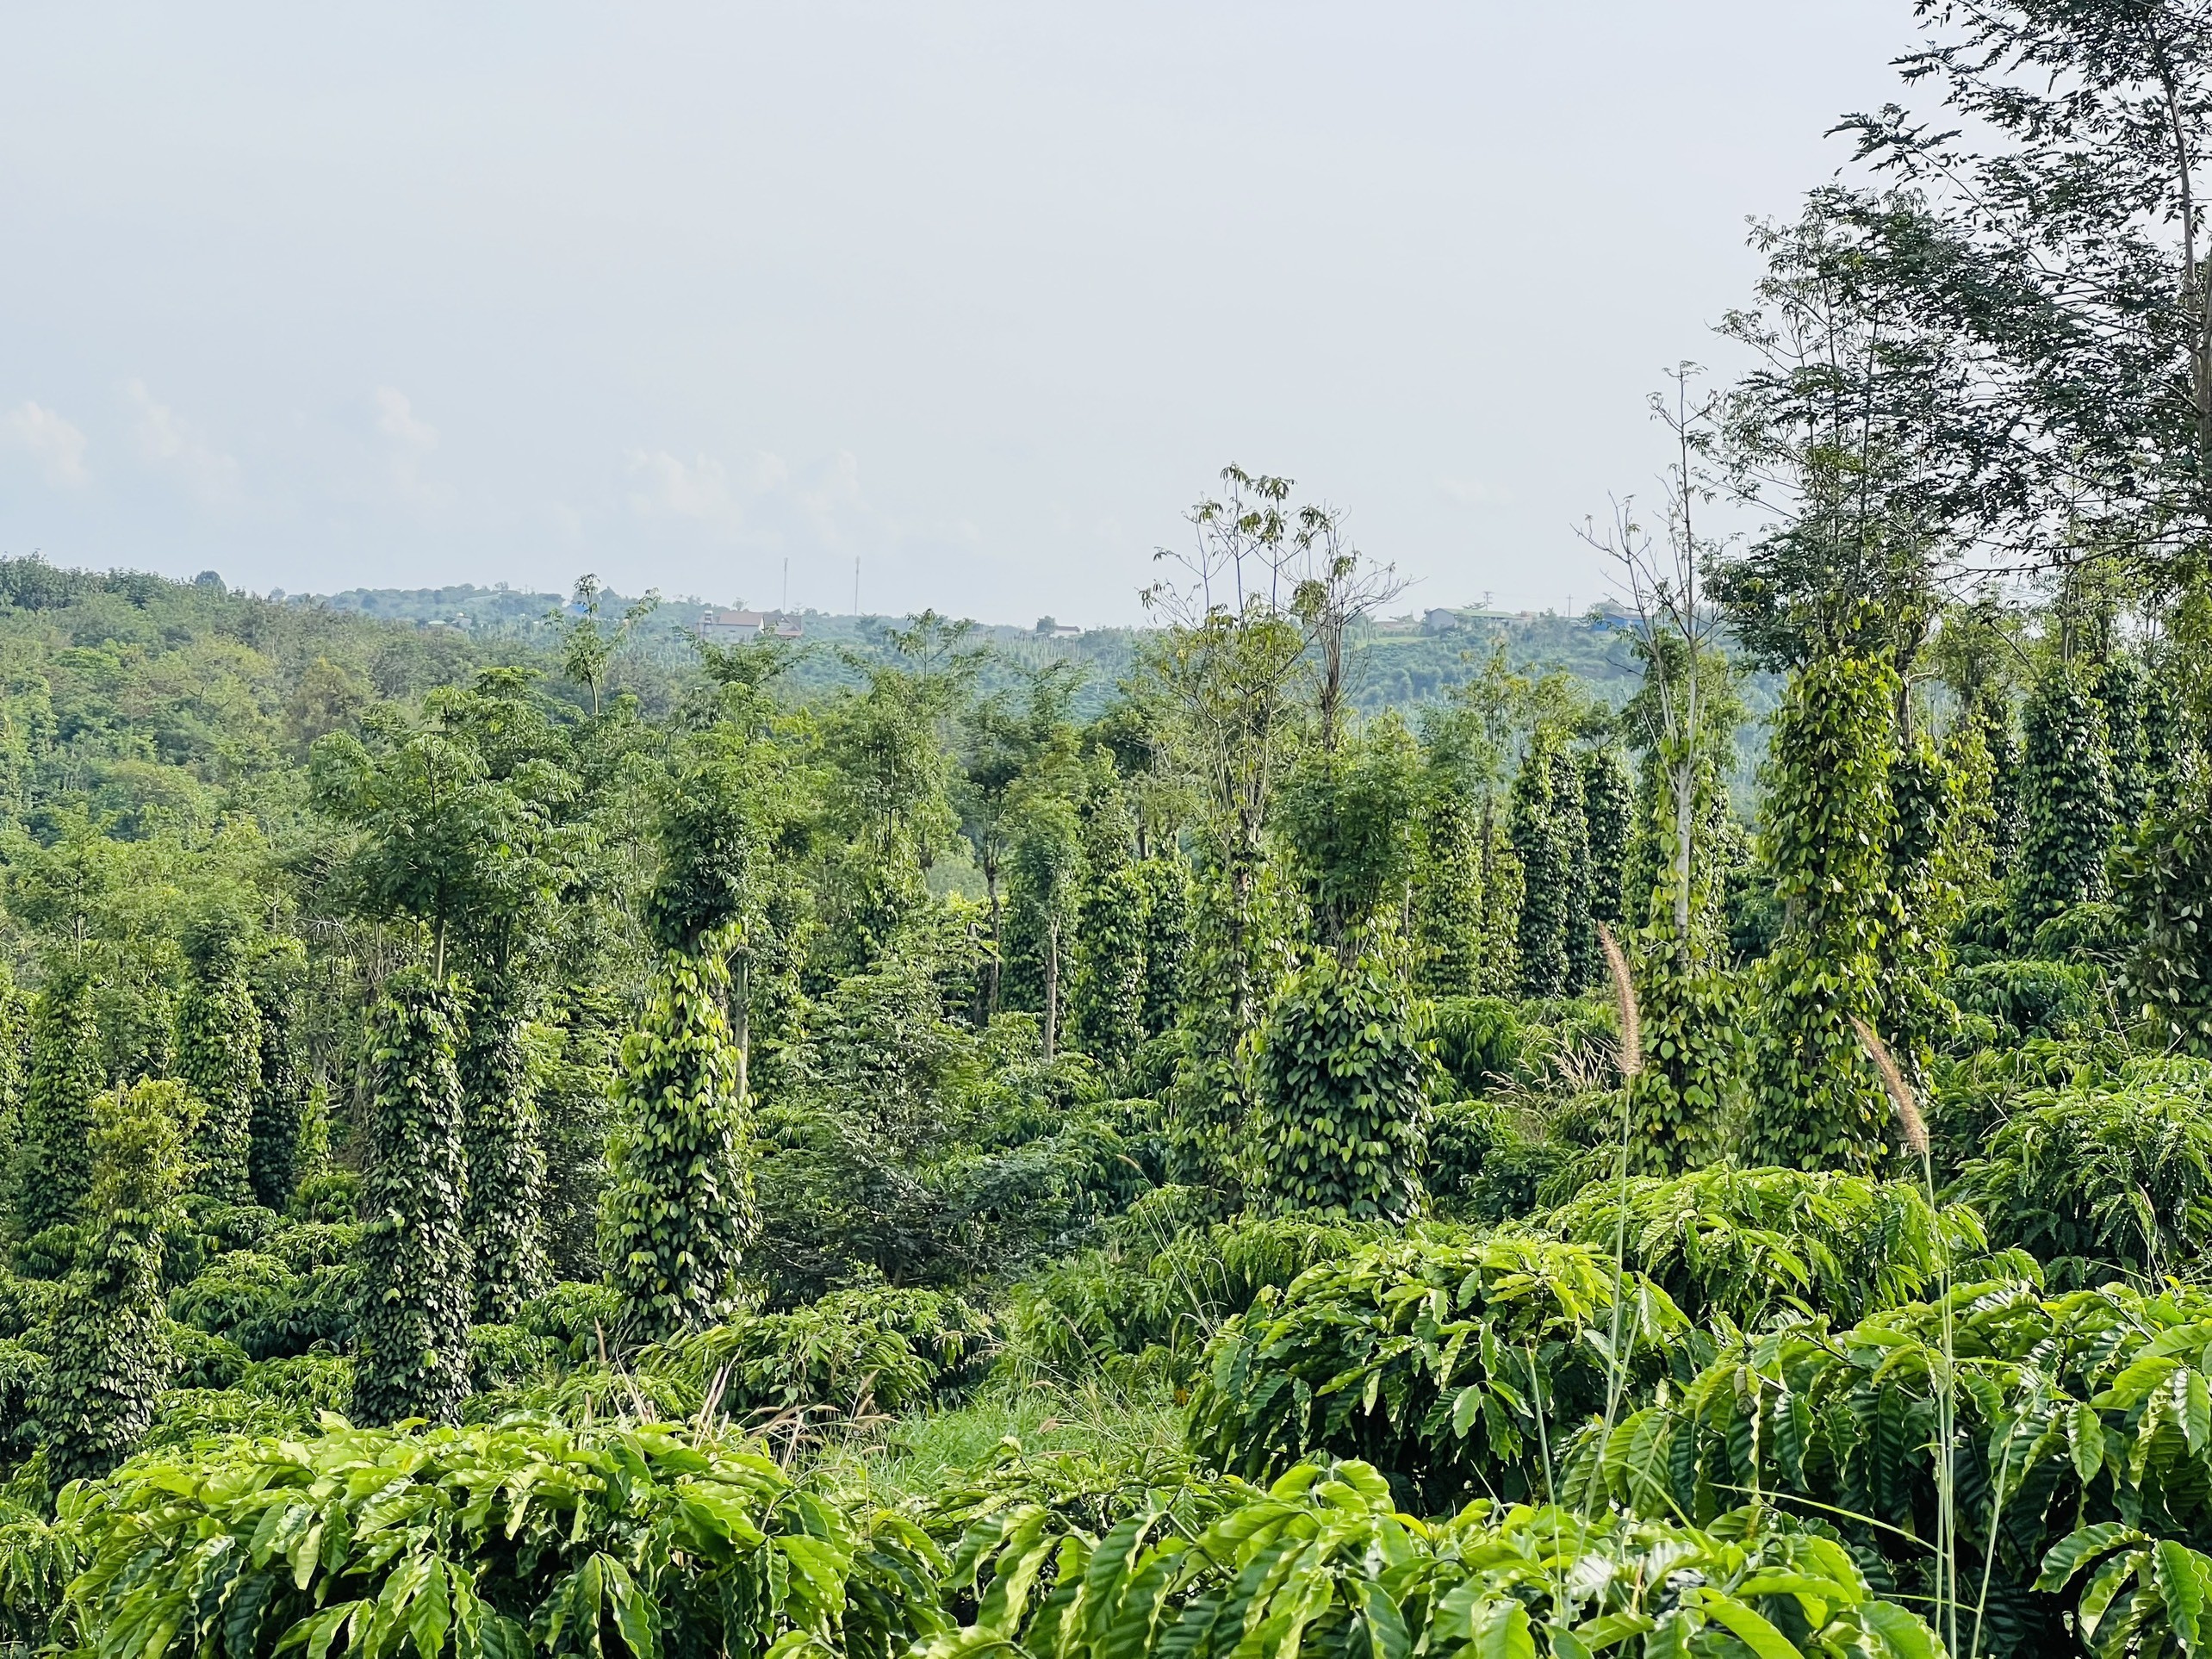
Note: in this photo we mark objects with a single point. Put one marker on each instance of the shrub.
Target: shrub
(518, 1538)
(1984, 931)
(230, 1227)
(1482, 1165)
(854, 1350)
(2034, 998)
(1477, 1041)
(318, 1310)
(574, 1318)
(234, 1289)
(304, 1246)
(2097, 933)
(24, 1378)
(1751, 1246)
(200, 1361)
(268, 1398)
(1430, 1360)
(47, 1254)
(504, 1357)
(201, 1228)
(1974, 1092)
(2108, 1179)
(1324, 1558)
(37, 1559)
(268, 1311)
(2084, 1410)
(333, 1196)
(1160, 1301)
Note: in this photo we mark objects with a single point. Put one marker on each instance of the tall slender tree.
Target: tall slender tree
(1609, 821)
(411, 1327)
(280, 1099)
(1683, 719)
(219, 1040)
(110, 1347)
(678, 1204)
(1546, 847)
(1826, 834)
(1584, 964)
(53, 1167)
(2065, 790)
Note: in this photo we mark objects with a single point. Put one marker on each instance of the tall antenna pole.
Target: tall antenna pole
(857, 584)
(786, 607)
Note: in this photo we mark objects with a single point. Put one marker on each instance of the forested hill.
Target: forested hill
(143, 701)
(1406, 663)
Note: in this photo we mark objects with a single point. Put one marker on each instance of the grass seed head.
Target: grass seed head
(1631, 1030)
(1908, 1110)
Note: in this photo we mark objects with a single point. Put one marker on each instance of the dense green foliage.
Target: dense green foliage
(1445, 1365)
(2065, 795)
(678, 1211)
(109, 1351)
(218, 1042)
(53, 1169)
(1286, 1131)
(1826, 835)
(502, 1541)
(1342, 1082)
(1324, 1552)
(413, 1325)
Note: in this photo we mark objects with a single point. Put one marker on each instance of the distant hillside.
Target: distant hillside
(1404, 665)
(147, 701)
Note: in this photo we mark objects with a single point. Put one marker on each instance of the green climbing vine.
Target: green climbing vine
(110, 1350)
(219, 1058)
(1341, 1086)
(55, 1157)
(412, 1329)
(2066, 800)
(1827, 838)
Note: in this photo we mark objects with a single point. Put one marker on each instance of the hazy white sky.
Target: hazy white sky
(983, 293)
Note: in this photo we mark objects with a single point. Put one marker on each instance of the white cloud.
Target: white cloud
(1472, 492)
(397, 420)
(410, 438)
(54, 442)
(757, 499)
(176, 446)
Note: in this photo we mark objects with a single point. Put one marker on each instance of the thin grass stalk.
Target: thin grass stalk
(1988, 1546)
(1915, 1129)
(1631, 1062)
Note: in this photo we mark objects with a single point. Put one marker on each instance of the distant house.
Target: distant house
(742, 627)
(1441, 622)
(731, 627)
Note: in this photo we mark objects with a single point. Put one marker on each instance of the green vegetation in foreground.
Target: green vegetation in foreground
(1263, 1135)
